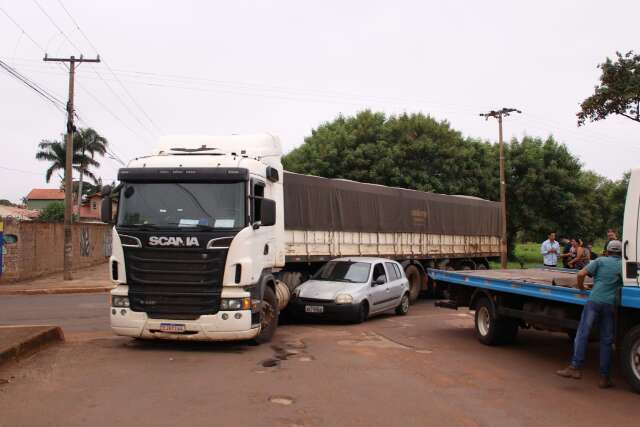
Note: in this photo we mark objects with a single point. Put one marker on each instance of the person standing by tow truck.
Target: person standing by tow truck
(549, 250)
(598, 310)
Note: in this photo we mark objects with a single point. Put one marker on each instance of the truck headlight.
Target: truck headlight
(119, 301)
(229, 304)
(344, 299)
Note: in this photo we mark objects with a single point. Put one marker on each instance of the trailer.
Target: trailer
(211, 236)
(547, 299)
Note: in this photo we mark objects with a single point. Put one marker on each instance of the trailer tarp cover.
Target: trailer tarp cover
(315, 203)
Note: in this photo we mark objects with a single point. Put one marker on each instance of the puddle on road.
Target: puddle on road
(281, 400)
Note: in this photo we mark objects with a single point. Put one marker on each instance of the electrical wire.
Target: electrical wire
(133, 100)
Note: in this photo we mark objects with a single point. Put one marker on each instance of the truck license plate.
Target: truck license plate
(173, 328)
(313, 308)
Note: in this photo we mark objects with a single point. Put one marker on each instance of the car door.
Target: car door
(395, 282)
(379, 293)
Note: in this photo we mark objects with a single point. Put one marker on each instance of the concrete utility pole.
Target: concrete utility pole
(68, 181)
(499, 114)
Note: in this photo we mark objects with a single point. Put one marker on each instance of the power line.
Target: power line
(22, 29)
(133, 100)
(57, 103)
(71, 43)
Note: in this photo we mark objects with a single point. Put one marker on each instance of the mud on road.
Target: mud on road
(423, 369)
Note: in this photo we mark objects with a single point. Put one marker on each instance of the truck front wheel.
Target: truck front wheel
(630, 358)
(268, 317)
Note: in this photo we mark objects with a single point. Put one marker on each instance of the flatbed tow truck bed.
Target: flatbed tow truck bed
(549, 283)
(505, 301)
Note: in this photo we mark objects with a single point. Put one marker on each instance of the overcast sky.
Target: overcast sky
(285, 67)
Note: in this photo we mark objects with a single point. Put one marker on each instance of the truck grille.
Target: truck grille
(175, 282)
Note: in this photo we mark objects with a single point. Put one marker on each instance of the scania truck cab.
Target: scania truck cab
(196, 239)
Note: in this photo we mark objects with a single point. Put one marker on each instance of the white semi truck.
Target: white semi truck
(211, 236)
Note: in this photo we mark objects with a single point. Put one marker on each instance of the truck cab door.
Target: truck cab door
(631, 235)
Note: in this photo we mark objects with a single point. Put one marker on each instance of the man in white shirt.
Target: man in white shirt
(549, 250)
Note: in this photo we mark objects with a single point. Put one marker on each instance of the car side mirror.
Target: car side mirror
(268, 212)
(106, 213)
(377, 282)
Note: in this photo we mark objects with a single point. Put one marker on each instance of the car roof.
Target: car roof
(370, 260)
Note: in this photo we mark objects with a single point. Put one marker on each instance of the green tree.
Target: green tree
(55, 152)
(88, 143)
(618, 91)
(53, 212)
(547, 187)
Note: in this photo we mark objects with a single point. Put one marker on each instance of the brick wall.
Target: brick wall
(40, 247)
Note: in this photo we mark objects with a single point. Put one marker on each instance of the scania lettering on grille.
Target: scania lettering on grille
(188, 242)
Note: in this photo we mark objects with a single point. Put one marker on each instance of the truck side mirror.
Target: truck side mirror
(268, 212)
(106, 214)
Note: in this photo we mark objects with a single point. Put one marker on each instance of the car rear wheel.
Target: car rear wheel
(403, 308)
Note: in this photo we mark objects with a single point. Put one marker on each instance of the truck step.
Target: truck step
(447, 303)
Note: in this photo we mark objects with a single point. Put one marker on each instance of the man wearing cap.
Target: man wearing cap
(598, 311)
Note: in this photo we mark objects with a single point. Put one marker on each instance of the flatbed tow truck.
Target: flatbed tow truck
(547, 299)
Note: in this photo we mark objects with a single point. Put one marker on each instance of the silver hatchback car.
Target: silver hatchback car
(352, 289)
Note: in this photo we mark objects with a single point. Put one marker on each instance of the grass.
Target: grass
(528, 255)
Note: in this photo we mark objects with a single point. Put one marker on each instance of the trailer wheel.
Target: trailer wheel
(630, 358)
(268, 317)
(292, 279)
(415, 281)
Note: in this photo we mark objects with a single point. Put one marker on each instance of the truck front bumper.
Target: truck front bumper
(206, 328)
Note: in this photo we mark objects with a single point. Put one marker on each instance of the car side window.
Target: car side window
(398, 270)
(393, 274)
(378, 273)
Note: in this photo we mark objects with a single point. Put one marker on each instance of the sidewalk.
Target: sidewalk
(20, 341)
(88, 280)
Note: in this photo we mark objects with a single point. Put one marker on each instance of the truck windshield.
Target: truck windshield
(344, 271)
(182, 205)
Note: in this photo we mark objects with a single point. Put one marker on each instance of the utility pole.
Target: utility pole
(499, 114)
(68, 181)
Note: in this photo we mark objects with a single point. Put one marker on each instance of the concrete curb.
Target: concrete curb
(32, 344)
(50, 291)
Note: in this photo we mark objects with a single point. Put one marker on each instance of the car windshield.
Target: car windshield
(344, 271)
(182, 205)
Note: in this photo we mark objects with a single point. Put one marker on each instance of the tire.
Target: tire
(268, 317)
(292, 279)
(490, 329)
(415, 282)
(403, 308)
(630, 358)
(363, 313)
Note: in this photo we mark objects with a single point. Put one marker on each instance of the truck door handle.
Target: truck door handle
(624, 250)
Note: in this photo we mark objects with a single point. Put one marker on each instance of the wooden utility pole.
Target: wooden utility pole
(499, 114)
(68, 178)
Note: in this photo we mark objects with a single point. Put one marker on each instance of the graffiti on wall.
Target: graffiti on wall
(2, 250)
(107, 243)
(85, 243)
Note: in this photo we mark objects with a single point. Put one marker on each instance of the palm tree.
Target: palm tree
(88, 142)
(56, 153)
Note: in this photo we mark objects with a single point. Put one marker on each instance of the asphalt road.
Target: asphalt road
(73, 312)
(423, 369)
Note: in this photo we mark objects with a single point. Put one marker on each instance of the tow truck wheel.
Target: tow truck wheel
(268, 317)
(485, 322)
(630, 358)
(415, 282)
